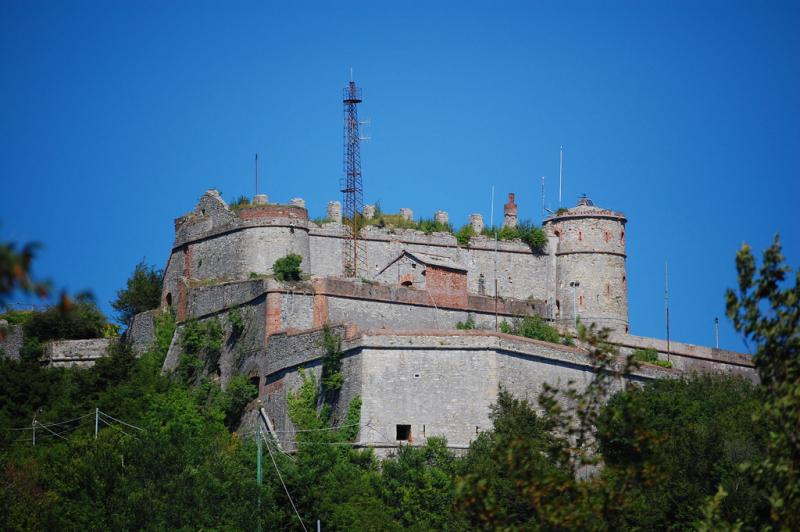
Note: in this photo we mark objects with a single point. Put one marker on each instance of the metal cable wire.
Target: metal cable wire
(280, 477)
(120, 421)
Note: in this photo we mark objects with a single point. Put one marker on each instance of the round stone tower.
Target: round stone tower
(591, 283)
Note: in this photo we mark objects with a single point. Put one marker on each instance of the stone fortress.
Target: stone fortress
(417, 375)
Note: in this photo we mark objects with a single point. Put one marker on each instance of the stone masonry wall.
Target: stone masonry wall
(520, 273)
(71, 353)
(439, 383)
(12, 343)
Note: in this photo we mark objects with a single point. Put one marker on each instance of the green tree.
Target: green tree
(766, 310)
(288, 268)
(68, 321)
(487, 492)
(557, 479)
(141, 293)
(702, 430)
(15, 272)
(418, 484)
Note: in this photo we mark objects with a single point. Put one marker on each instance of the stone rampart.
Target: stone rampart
(689, 358)
(441, 383)
(12, 343)
(141, 332)
(71, 353)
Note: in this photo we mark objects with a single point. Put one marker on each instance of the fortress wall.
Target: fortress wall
(75, 353)
(595, 233)
(297, 311)
(326, 250)
(602, 295)
(172, 278)
(438, 392)
(207, 300)
(240, 352)
(141, 332)
(221, 257)
(380, 315)
(689, 358)
(440, 383)
(287, 353)
(520, 273)
(262, 246)
(12, 343)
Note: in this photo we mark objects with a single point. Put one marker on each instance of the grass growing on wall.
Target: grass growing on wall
(650, 356)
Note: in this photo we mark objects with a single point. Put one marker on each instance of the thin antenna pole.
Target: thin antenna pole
(560, 173)
(666, 301)
(716, 332)
(259, 475)
(491, 218)
(491, 215)
(543, 211)
(256, 173)
(96, 421)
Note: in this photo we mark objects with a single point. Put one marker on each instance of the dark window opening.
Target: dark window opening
(291, 230)
(199, 263)
(580, 235)
(203, 212)
(403, 433)
(169, 299)
(413, 265)
(406, 283)
(255, 380)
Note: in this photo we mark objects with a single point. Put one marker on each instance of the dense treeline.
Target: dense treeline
(709, 453)
(185, 469)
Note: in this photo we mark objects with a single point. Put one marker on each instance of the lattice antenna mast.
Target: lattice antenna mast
(354, 252)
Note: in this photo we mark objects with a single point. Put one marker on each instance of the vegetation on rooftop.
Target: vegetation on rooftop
(650, 356)
(242, 202)
(536, 328)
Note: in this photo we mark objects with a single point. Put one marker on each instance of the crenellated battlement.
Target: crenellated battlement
(585, 247)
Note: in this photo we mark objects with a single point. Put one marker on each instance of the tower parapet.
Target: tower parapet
(591, 282)
(214, 242)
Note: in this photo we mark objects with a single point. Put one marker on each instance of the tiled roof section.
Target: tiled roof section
(435, 260)
(428, 260)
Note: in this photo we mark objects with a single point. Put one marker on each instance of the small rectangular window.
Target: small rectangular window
(403, 432)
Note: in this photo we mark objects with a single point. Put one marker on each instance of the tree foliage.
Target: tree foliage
(288, 268)
(15, 272)
(766, 310)
(141, 293)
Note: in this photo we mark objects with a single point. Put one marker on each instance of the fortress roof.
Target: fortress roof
(585, 208)
(428, 260)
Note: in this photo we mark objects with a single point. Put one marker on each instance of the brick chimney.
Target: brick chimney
(510, 212)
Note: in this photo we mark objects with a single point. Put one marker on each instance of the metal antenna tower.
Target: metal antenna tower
(354, 252)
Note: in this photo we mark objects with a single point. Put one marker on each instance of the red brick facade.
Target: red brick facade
(448, 288)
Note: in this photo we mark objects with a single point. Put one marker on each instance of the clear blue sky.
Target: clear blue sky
(116, 116)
